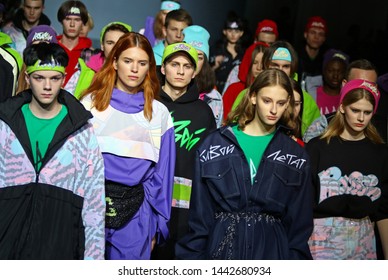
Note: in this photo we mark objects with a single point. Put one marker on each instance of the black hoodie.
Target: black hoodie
(193, 121)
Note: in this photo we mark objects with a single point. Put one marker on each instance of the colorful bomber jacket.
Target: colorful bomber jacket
(57, 212)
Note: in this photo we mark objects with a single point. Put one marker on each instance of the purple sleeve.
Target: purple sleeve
(149, 30)
(160, 194)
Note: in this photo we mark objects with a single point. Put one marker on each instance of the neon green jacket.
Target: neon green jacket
(6, 42)
(85, 78)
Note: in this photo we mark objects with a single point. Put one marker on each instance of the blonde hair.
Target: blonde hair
(337, 125)
(90, 22)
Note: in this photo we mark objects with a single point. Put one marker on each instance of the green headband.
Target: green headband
(39, 66)
(126, 26)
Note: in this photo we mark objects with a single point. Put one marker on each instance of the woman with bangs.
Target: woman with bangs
(136, 136)
(251, 194)
(349, 164)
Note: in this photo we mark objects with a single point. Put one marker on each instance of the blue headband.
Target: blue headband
(282, 54)
(169, 5)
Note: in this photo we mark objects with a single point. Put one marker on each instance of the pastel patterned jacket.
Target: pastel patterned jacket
(58, 211)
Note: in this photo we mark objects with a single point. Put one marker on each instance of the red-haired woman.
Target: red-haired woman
(136, 136)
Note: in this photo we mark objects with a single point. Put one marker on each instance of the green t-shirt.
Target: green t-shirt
(253, 148)
(41, 132)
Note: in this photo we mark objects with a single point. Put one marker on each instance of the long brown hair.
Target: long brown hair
(206, 78)
(158, 25)
(105, 79)
(258, 49)
(297, 129)
(337, 125)
(245, 111)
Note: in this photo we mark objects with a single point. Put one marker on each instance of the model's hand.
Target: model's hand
(153, 242)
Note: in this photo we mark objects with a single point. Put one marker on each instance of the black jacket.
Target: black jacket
(193, 121)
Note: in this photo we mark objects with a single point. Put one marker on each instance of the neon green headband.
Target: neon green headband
(39, 66)
(126, 26)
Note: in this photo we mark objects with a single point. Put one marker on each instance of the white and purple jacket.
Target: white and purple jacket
(137, 151)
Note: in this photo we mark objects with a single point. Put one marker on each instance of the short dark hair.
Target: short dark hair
(24, 1)
(363, 64)
(64, 9)
(45, 52)
(41, 0)
(179, 15)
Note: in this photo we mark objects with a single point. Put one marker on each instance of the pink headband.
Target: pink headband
(363, 84)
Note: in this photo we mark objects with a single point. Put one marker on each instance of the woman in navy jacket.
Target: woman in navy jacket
(251, 196)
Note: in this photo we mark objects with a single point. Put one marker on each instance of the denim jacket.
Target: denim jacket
(231, 218)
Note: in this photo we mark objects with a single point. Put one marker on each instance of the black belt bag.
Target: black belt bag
(122, 203)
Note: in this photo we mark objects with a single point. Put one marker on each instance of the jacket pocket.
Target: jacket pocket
(221, 179)
(285, 184)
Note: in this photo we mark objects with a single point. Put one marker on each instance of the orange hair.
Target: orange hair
(105, 80)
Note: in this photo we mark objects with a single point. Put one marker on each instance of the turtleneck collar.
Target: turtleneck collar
(127, 102)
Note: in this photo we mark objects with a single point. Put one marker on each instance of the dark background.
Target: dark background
(358, 27)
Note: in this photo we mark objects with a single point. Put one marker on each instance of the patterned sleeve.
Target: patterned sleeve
(232, 78)
(310, 111)
(214, 100)
(315, 129)
(93, 212)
